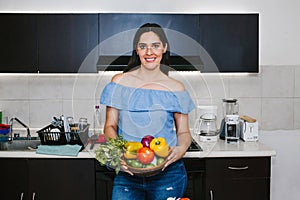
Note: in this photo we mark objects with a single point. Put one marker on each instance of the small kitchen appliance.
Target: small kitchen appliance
(232, 128)
(206, 127)
(249, 129)
(230, 109)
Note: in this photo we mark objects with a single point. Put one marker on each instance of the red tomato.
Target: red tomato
(145, 155)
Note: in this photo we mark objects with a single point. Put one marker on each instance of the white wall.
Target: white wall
(285, 177)
(279, 24)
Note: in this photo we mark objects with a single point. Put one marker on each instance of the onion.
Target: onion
(146, 140)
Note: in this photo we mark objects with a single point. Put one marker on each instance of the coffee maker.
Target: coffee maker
(230, 125)
(232, 128)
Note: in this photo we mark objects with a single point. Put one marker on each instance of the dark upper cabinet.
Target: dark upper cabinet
(231, 41)
(65, 41)
(68, 43)
(48, 43)
(210, 43)
(18, 47)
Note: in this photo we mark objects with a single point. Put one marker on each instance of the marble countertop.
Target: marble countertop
(210, 150)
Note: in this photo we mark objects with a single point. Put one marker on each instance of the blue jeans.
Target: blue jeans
(171, 182)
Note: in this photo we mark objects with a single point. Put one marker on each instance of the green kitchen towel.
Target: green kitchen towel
(60, 150)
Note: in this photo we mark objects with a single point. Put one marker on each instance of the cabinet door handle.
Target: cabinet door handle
(211, 194)
(238, 168)
(21, 197)
(33, 196)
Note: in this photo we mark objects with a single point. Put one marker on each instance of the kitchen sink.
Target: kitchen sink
(20, 144)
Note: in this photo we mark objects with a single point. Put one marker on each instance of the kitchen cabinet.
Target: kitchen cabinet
(48, 43)
(195, 168)
(233, 178)
(237, 178)
(104, 182)
(14, 178)
(18, 41)
(65, 40)
(47, 179)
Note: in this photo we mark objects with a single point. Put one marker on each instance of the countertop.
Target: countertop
(210, 150)
(240, 149)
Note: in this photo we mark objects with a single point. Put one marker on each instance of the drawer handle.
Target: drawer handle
(22, 194)
(211, 194)
(33, 196)
(238, 168)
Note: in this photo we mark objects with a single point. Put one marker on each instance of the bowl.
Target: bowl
(146, 172)
(4, 129)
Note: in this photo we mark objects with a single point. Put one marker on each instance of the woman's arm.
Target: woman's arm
(111, 130)
(184, 138)
(111, 122)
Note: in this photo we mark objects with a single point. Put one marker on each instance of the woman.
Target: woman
(141, 101)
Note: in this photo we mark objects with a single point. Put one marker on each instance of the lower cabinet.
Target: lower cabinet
(47, 179)
(195, 168)
(104, 182)
(237, 178)
(14, 178)
(246, 178)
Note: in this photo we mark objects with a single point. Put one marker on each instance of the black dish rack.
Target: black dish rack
(50, 137)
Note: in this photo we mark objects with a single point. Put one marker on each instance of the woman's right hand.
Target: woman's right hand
(124, 168)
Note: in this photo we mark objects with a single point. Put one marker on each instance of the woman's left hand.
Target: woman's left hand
(176, 153)
(124, 167)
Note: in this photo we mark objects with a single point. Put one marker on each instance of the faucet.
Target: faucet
(11, 128)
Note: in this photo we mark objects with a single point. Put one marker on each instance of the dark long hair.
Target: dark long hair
(134, 61)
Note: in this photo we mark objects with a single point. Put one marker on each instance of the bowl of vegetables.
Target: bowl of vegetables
(148, 157)
(144, 158)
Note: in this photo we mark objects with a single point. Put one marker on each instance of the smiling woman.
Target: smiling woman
(143, 101)
(150, 45)
(150, 50)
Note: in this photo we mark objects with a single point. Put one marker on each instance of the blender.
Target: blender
(230, 125)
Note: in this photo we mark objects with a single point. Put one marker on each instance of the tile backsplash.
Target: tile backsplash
(272, 97)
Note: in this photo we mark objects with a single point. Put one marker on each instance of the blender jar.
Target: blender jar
(230, 107)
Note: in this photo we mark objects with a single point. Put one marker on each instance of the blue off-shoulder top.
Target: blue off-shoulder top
(146, 111)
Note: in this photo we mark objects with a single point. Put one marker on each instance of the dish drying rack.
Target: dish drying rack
(51, 135)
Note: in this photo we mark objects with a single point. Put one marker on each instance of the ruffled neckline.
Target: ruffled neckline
(144, 99)
(145, 89)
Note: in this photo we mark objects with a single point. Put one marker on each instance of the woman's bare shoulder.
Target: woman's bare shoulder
(117, 78)
(175, 85)
(123, 78)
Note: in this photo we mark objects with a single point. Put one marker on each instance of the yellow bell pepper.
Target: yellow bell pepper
(131, 149)
(160, 147)
(133, 146)
(130, 155)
